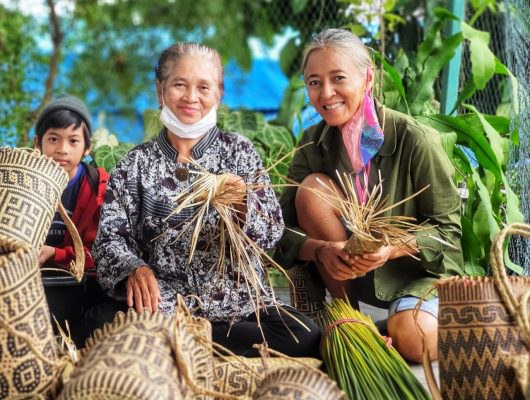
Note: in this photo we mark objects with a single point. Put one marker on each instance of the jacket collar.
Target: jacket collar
(387, 122)
(197, 151)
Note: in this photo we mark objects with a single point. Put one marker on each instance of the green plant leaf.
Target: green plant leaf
(298, 5)
(501, 69)
(513, 213)
(152, 124)
(423, 91)
(468, 137)
(288, 56)
(107, 156)
(395, 79)
(482, 59)
(472, 248)
(356, 29)
(492, 135)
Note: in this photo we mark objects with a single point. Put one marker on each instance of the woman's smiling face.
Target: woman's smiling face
(335, 85)
(191, 89)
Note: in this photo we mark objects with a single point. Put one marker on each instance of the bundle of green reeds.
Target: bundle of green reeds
(363, 363)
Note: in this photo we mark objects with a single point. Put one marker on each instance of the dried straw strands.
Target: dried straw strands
(216, 191)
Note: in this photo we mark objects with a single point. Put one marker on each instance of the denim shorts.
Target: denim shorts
(409, 303)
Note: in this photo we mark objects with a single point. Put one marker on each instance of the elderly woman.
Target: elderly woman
(370, 141)
(142, 256)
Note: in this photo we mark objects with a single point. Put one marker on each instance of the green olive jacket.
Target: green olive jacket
(410, 158)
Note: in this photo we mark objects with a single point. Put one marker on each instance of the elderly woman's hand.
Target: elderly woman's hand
(142, 290)
(335, 260)
(238, 189)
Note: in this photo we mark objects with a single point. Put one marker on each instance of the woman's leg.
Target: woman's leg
(321, 220)
(275, 326)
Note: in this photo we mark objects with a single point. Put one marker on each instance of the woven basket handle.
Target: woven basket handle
(518, 308)
(77, 267)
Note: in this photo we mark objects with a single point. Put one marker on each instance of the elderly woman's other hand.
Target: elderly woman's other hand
(142, 290)
(335, 260)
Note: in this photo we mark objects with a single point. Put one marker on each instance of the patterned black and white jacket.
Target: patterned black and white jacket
(134, 231)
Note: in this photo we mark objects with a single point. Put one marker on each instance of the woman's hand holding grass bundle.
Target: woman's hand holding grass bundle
(142, 290)
(336, 261)
(367, 262)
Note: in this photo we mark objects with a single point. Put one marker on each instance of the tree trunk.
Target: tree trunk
(57, 38)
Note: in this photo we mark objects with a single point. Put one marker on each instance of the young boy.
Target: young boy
(63, 132)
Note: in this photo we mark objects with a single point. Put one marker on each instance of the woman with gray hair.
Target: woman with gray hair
(142, 249)
(361, 137)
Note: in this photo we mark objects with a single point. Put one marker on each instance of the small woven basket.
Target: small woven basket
(297, 384)
(31, 186)
(27, 346)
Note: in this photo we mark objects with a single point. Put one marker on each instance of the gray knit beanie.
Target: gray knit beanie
(66, 102)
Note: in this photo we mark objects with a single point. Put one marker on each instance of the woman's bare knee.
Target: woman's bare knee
(406, 338)
(317, 217)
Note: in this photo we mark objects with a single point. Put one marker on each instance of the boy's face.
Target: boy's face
(66, 146)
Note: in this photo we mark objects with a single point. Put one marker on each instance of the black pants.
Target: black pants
(244, 333)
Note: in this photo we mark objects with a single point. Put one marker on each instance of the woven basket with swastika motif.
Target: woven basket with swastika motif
(239, 382)
(31, 186)
(297, 384)
(27, 346)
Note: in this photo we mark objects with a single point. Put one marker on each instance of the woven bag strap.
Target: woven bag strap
(518, 308)
(77, 267)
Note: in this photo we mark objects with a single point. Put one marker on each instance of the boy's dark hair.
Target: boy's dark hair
(61, 119)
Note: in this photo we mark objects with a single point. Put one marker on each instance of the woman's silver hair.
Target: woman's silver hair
(342, 41)
(173, 54)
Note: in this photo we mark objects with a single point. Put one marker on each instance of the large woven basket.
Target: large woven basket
(480, 338)
(297, 384)
(238, 381)
(27, 346)
(130, 358)
(31, 186)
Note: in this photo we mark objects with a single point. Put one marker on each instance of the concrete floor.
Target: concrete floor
(376, 314)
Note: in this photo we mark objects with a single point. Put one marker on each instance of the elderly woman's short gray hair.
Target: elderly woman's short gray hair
(180, 50)
(341, 41)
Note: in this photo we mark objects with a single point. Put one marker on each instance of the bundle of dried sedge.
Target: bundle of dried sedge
(369, 226)
(244, 255)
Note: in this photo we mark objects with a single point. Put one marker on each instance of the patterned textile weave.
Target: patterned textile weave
(27, 345)
(30, 189)
(297, 384)
(134, 228)
(477, 339)
(233, 380)
(130, 358)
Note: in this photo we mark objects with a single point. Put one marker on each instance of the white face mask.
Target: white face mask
(188, 131)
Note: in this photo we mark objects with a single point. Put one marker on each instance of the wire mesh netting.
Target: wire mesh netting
(517, 36)
(488, 99)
